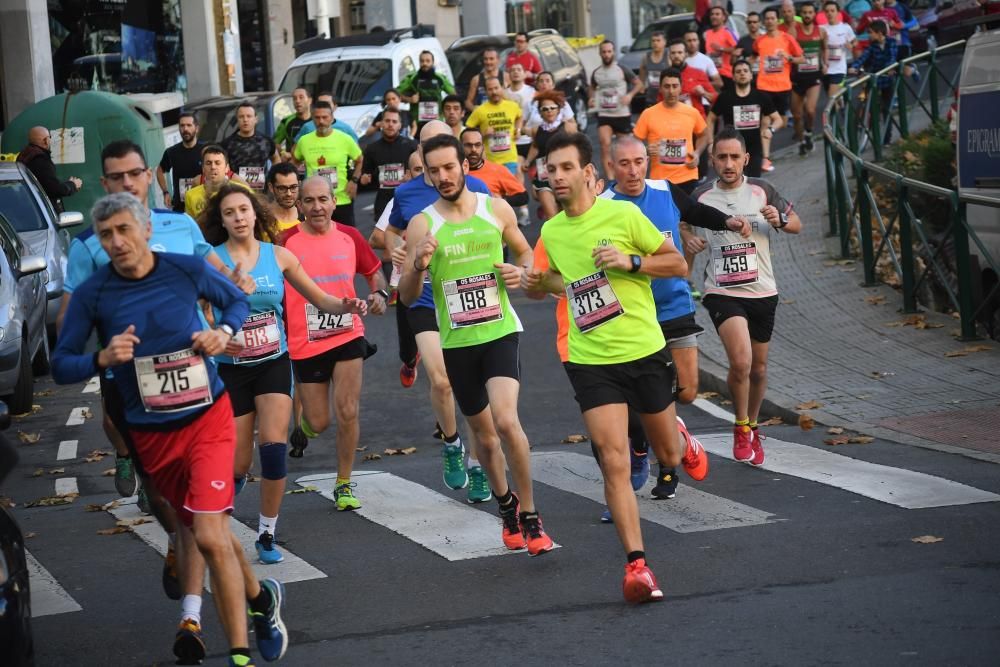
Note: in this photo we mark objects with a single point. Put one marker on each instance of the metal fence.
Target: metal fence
(854, 131)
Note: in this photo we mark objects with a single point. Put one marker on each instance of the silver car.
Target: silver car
(43, 231)
(24, 345)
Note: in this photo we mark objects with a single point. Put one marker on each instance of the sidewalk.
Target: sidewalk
(833, 344)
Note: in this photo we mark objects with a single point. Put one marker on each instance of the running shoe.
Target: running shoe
(666, 483)
(513, 539)
(408, 373)
(266, 551)
(742, 443)
(344, 496)
(758, 448)
(640, 584)
(126, 483)
(393, 298)
(803, 150)
(272, 637)
(535, 536)
(298, 443)
(171, 583)
(695, 293)
(606, 516)
(479, 485)
(640, 468)
(809, 143)
(766, 165)
(142, 502)
(455, 476)
(238, 484)
(438, 433)
(695, 459)
(237, 662)
(189, 645)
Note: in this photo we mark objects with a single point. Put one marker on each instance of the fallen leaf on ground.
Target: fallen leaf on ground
(708, 394)
(842, 440)
(28, 536)
(93, 507)
(878, 375)
(44, 392)
(117, 530)
(574, 439)
(834, 430)
(38, 472)
(360, 449)
(110, 472)
(138, 521)
(875, 299)
(7, 502)
(57, 471)
(809, 405)
(35, 409)
(49, 501)
(861, 439)
(406, 451)
(86, 413)
(96, 455)
(926, 539)
(372, 457)
(806, 422)
(28, 438)
(773, 421)
(725, 401)
(304, 489)
(788, 302)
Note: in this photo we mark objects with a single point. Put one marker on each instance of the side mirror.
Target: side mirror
(31, 264)
(625, 49)
(69, 219)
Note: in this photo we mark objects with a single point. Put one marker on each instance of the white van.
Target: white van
(360, 68)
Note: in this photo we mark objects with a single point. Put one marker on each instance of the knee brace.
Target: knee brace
(272, 460)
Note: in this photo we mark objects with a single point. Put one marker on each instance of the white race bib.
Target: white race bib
(330, 173)
(811, 63)
(735, 264)
(390, 175)
(499, 141)
(173, 382)
(673, 151)
(321, 325)
(260, 336)
(834, 53)
(746, 116)
(473, 300)
(428, 111)
(774, 64)
(542, 173)
(593, 301)
(185, 184)
(254, 176)
(609, 100)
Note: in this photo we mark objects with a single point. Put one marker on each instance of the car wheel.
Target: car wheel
(580, 112)
(40, 364)
(19, 402)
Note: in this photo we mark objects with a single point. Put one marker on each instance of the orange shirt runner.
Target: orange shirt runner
(775, 74)
(717, 39)
(669, 135)
(562, 310)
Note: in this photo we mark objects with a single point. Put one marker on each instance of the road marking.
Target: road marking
(450, 528)
(292, 569)
(76, 417)
(896, 486)
(47, 596)
(67, 450)
(93, 385)
(714, 410)
(66, 486)
(691, 511)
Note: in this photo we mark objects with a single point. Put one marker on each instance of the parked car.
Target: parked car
(358, 69)
(41, 229)
(217, 115)
(552, 51)
(672, 26)
(15, 589)
(24, 345)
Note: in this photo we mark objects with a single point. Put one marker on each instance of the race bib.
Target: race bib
(684, 98)
(321, 325)
(499, 141)
(673, 151)
(397, 273)
(654, 79)
(735, 264)
(746, 116)
(427, 111)
(540, 167)
(668, 235)
(254, 176)
(185, 184)
(260, 337)
(834, 53)
(774, 64)
(173, 382)
(811, 63)
(473, 300)
(593, 301)
(390, 175)
(330, 173)
(609, 100)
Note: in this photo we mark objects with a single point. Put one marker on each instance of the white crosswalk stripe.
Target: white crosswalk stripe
(47, 596)
(93, 386)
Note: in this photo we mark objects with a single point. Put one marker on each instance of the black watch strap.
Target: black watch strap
(636, 263)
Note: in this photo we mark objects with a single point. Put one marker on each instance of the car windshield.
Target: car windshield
(216, 122)
(18, 205)
(466, 62)
(672, 30)
(352, 82)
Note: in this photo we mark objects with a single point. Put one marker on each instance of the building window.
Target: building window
(535, 14)
(358, 16)
(645, 12)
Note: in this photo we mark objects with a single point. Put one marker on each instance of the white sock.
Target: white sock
(191, 608)
(473, 463)
(267, 524)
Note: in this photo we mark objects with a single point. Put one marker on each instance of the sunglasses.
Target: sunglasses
(132, 173)
(548, 108)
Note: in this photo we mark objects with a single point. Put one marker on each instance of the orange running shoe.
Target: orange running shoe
(535, 536)
(640, 584)
(513, 539)
(695, 459)
(766, 165)
(742, 443)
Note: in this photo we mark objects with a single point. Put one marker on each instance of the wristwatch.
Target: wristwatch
(784, 220)
(228, 329)
(636, 263)
(385, 295)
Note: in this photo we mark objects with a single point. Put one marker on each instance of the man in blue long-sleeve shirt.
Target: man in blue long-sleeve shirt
(879, 54)
(179, 415)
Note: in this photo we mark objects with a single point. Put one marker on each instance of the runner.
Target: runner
(667, 129)
(543, 83)
(749, 111)
(183, 161)
(458, 241)
(500, 121)
(524, 95)
(840, 43)
(454, 114)
(777, 51)
(412, 198)
(288, 128)
(327, 348)
(695, 58)
(384, 160)
(177, 409)
(283, 186)
(808, 74)
(329, 153)
(477, 84)
(426, 88)
(391, 99)
(744, 48)
(549, 104)
(652, 64)
(596, 248)
(695, 86)
(255, 366)
(612, 87)
(720, 44)
(520, 55)
(740, 292)
(215, 173)
(250, 153)
(310, 125)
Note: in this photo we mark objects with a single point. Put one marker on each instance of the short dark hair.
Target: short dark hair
(215, 149)
(453, 98)
(327, 93)
(831, 2)
(807, 3)
(771, 10)
(440, 141)
(188, 114)
(248, 104)
(119, 149)
(280, 169)
(749, 14)
(607, 41)
(491, 48)
(879, 26)
(393, 110)
(520, 33)
(658, 33)
(577, 140)
(461, 136)
(545, 71)
(729, 134)
(675, 41)
(670, 73)
(743, 61)
(427, 52)
(322, 105)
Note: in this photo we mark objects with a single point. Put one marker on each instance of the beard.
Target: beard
(458, 191)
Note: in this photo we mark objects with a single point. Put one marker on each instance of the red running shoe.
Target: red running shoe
(742, 443)
(535, 536)
(408, 373)
(695, 459)
(758, 448)
(640, 584)
(512, 536)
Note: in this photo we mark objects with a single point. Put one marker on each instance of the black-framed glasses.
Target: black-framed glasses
(132, 173)
(286, 189)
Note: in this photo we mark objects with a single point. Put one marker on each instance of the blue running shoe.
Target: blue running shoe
(266, 551)
(272, 637)
(640, 468)
(606, 517)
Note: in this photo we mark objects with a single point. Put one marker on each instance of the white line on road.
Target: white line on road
(714, 410)
(691, 511)
(66, 486)
(67, 450)
(292, 569)
(896, 486)
(47, 596)
(448, 527)
(93, 385)
(76, 417)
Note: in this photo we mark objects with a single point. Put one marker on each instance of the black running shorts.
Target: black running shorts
(245, 382)
(319, 369)
(646, 385)
(618, 124)
(758, 312)
(422, 319)
(470, 367)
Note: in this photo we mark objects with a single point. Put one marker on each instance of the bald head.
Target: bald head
(626, 142)
(433, 129)
(317, 184)
(39, 136)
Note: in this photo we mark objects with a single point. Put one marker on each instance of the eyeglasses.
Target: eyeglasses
(285, 189)
(132, 173)
(548, 108)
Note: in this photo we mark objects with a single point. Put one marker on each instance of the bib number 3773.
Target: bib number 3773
(321, 325)
(593, 301)
(173, 382)
(473, 300)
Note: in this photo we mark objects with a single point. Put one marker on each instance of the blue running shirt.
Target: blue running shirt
(263, 333)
